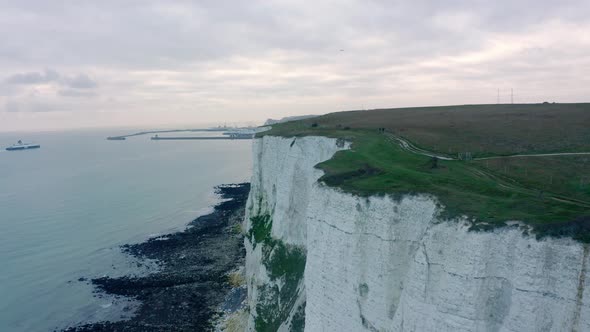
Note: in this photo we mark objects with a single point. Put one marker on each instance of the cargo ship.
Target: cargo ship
(22, 146)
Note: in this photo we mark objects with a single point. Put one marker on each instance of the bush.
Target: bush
(579, 229)
(236, 279)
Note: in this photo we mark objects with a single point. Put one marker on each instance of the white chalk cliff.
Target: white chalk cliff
(325, 260)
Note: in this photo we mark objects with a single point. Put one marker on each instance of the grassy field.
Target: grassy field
(483, 130)
(550, 193)
(564, 175)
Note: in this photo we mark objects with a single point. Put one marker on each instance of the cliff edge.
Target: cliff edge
(321, 259)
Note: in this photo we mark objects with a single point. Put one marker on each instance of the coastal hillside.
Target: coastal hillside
(492, 163)
(497, 129)
(370, 221)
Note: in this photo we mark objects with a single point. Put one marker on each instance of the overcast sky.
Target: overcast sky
(69, 64)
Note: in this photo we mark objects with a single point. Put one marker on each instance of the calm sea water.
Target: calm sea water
(66, 208)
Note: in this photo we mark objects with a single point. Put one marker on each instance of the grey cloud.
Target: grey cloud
(11, 106)
(31, 105)
(81, 81)
(153, 54)
(76, 93)
(34, 77)
(160, 34)
(171, 34)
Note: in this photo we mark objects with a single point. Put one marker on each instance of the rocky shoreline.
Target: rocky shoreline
(193, 283)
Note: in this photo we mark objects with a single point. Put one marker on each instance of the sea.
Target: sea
(66, 208)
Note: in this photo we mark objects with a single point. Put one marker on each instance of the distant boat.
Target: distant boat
(116, 138)
(22, 146)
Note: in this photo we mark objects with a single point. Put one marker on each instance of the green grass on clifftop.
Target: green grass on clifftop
(481, 129)
(552, 194)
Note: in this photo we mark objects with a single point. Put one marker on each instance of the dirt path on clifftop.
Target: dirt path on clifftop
(404, 144)
(501, 181)
(538, 155)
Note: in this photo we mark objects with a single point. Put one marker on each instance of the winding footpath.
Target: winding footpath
(412, 148)
(537, 155)
(510, 185)
(404, 144)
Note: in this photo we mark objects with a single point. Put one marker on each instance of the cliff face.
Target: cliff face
(322, 260)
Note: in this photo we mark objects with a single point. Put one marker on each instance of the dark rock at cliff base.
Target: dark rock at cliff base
(191, 284)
